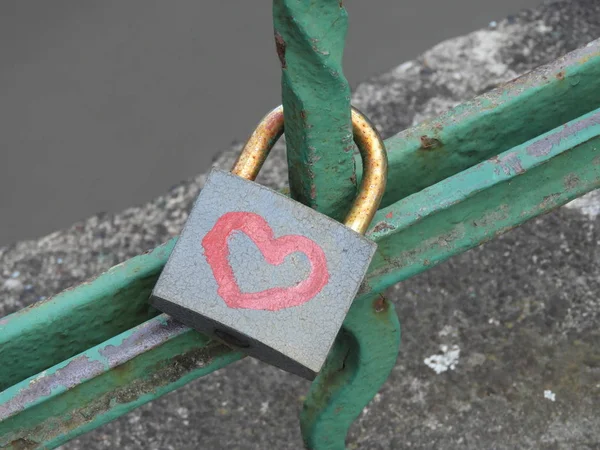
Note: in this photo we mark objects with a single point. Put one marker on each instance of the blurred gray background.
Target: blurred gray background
(105, 105)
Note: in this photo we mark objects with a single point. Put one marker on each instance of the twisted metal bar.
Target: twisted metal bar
(310, 37)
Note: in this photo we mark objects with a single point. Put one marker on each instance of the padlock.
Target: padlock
(265, 274)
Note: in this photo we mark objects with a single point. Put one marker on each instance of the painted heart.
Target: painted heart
(274, 250)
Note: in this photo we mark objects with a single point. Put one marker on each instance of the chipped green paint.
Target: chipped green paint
(490, 198)
(310, 37)
(56, 329)
(493, 123)
(106, 382)
(364, 355)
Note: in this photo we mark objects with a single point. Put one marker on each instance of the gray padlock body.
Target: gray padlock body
(295, 338)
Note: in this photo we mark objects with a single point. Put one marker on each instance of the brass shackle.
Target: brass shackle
(368, 141)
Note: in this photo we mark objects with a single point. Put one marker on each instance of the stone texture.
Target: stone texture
(516, 317)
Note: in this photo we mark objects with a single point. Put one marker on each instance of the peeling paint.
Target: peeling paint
(509, 164)
(280, 46)
(430, 143)
(382, 226)
(145, 337)
(544, 146)
(77, 370)
(571, 181)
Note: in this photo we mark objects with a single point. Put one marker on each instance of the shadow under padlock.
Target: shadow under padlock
(266, 274)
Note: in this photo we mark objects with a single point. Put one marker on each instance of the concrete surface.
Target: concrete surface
(501, 348)
(105, 105)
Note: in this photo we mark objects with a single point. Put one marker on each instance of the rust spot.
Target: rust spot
(353, 179)
(549, 201)
(382, 226)
(544, 146)
(389, 215)
(280, 47)
(429, 143)
(273, 126)
(332, 378)
(561, 75)
(23, 444)
(380, 304)
(571, 181)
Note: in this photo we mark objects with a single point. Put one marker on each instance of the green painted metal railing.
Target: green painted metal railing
(454, 182)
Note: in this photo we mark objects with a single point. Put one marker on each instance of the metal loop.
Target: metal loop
(366, 137)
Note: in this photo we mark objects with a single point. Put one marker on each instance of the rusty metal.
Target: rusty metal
(259, 144)
(372, 151)
(374, 178)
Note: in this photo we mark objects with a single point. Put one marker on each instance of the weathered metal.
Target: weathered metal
(359, 364)
(106, 381)
(263, 273)
(310, 38)
(486, 170)
(58, 328)
(422, 230)
(374, 180)
(259, 145)
(492, 123)
(116, 301)
(490, 198)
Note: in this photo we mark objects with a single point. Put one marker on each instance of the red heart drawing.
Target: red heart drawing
(274, 250)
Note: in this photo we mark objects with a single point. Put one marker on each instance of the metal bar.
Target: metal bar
(493, 123)
(484, 201)
(105, 382)
(310, 38)
(48, 332)
(358, 365)
(414, 234)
